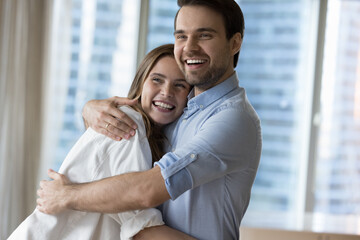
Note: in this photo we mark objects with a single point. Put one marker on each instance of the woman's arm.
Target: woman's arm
(161, 233)
(104, 117)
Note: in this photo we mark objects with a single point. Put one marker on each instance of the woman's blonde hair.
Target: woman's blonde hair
(154, 134)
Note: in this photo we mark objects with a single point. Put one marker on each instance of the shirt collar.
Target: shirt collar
(211, 95)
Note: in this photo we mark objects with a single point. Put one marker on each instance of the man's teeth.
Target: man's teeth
(163, 105)
(195, 61)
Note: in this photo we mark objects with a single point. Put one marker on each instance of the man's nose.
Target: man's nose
(191, 44)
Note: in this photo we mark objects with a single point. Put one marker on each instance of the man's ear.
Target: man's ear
(236, 42)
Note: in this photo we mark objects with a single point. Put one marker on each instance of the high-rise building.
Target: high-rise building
(102, 60)
(338, 158)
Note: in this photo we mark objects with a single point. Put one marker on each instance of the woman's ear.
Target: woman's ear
(236, 42)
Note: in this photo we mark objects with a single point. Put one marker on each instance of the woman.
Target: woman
(161, 91)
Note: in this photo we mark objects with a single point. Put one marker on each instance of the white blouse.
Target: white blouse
(94, 157)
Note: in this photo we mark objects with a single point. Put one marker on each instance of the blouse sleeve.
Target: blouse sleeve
(134, 155)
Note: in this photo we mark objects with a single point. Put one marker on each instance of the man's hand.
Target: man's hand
(104, 117)
(52, 194)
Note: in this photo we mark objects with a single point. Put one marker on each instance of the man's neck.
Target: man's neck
(198, 90)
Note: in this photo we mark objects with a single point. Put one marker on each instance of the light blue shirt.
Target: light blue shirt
(211, 163)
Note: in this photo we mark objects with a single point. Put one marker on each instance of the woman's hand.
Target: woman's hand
(104, 117)
(52, 194)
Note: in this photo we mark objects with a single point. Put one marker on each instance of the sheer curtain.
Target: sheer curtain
(22, 31)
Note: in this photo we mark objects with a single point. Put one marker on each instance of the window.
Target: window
(100, 59)
(337, 157)
(272, 68)
(309, 102)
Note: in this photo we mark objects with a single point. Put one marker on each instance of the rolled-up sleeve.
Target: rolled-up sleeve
(227, 141)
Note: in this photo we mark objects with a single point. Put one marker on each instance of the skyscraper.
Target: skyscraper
(338, 163)
(102, 64)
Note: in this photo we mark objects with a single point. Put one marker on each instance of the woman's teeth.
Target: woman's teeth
(163, 105)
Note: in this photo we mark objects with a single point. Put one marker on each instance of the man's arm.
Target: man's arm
(104, 117)
(130, 191)
(162, 233)
(227, 142)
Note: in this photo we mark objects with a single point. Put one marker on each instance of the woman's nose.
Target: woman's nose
(167, 90)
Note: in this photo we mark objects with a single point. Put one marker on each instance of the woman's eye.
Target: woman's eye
(156, 79)
(180, 85)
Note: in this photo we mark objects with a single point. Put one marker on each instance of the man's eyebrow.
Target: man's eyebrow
(178, 32)
(197, 30)
(206, 30)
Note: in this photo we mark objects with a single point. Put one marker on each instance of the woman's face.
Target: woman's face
(165, 91)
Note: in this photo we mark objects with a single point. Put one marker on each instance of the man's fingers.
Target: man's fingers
(42, 209)
(124, 101)
(105, 132)
(39, 192)
(116, 126)
(120, 129)
(42, 184)
(118, 101)
(118, 118)
(40, 205)
(39, 201)
(53, 175)
(106, 118)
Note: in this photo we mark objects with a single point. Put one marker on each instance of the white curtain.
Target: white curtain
(22, 37)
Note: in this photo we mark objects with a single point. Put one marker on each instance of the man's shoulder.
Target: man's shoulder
(236, 103)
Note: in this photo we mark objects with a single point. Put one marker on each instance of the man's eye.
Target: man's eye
(180, 37)
(205, 35)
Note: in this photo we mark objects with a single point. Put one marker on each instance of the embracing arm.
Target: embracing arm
(109, 195)
(106, 118)
(162, 233)
(130, 191)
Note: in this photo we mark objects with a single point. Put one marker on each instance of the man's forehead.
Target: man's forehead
(198, 18)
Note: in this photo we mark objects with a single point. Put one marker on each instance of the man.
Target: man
(214, 148)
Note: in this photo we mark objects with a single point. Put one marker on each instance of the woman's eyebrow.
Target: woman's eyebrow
(164, 76)
(157, 74)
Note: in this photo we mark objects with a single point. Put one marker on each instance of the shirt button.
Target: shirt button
(201, 106)
(184, 120)
(192, 156)
(173, 150)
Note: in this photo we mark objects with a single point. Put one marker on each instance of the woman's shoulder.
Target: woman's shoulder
(135, 116)
(132, 113)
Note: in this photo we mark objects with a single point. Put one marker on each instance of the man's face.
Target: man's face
(202, 51)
